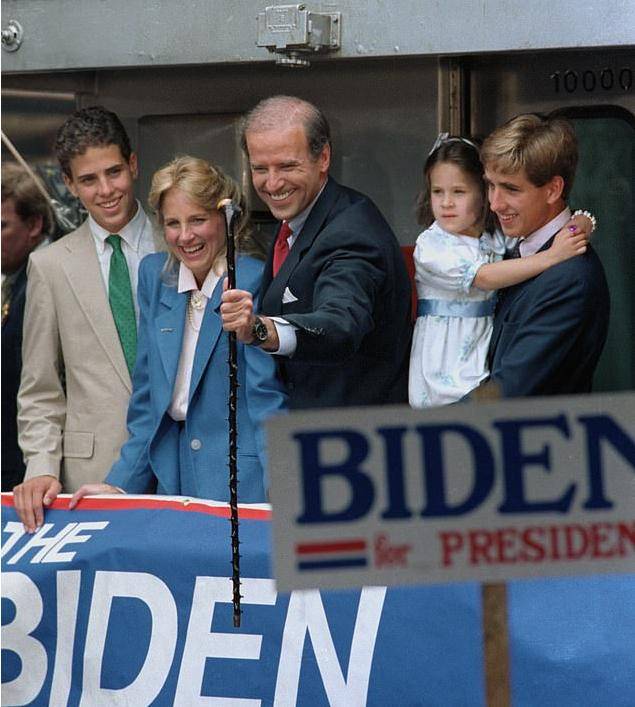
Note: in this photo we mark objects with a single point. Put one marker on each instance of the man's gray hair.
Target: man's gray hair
(282, 111)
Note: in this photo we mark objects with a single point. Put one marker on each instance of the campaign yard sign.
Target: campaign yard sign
(485, 492)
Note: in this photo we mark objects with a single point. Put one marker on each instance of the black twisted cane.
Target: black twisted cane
(231, 211)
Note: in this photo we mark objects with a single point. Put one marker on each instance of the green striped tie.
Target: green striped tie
(121, 302)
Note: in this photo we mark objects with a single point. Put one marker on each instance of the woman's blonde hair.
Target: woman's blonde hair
(205, 185)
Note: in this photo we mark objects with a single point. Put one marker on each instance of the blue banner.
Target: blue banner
(128, 602)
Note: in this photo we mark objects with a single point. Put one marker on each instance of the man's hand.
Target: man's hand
(91, 490)
(30, 498)
(237, 313)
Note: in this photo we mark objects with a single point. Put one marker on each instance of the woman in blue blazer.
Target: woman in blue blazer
(177, 418)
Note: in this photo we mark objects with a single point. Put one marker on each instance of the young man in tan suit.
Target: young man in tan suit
(80, 320)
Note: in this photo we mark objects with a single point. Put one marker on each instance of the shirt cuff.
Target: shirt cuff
(286, 337)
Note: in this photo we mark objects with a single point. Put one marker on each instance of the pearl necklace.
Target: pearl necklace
(196, 301)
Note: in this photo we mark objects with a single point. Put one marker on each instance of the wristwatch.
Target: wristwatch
(259, 332)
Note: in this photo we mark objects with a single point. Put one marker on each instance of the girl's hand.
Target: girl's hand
(569, 242)
(583, 223)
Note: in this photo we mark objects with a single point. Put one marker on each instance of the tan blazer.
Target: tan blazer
(75, 384)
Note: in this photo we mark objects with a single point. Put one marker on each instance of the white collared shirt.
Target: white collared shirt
(137, 241)
(297, 222)
(535, 241)
(193, 322)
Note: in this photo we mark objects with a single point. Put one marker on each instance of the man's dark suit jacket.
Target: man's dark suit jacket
(549, 331)
(12, 464)
(352, 306)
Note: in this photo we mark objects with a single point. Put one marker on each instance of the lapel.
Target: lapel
(506, 298)
(19, 286)
(549, 243)
(170, 323)
(208, 336)
(312, 226)
(85, 280)
(501, 310)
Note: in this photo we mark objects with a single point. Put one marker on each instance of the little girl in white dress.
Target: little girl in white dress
(458, 268)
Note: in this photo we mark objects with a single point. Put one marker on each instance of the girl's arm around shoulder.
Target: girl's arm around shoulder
(568, 243)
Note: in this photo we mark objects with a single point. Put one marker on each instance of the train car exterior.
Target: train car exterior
(390, 76)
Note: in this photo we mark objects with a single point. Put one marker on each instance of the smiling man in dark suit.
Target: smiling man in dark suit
(336, 304)
(548, 331)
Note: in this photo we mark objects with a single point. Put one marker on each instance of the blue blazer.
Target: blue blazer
(150, 459)
(549, 331)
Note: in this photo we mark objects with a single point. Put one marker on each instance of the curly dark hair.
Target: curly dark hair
(90, 127)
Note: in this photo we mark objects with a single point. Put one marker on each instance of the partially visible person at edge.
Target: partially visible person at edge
(459, 266)
(177, 420)
(27, 222)
(549, 331)
(79, 343)
(335, 306)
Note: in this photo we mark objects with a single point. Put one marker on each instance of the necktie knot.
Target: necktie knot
(285, 231)
(515, 251)
(114, 241)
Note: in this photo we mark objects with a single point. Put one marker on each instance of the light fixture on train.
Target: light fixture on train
(294, 33)
(12, 36)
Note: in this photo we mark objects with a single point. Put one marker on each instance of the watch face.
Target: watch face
(260, 330)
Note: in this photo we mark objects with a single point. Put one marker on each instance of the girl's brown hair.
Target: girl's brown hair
(465, 155)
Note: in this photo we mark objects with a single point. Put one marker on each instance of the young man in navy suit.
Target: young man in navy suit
(335, 308)
(549, 331)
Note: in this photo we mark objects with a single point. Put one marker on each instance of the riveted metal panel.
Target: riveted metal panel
(67, 34)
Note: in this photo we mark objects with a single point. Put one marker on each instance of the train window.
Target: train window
(604, 184)
(30, 120)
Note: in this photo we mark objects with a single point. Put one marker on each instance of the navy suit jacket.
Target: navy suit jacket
(351, 305)
(12, 463)
(150, 458)
(549, 331)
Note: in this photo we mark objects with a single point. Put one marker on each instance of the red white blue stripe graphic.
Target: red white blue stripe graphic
(332, 554)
